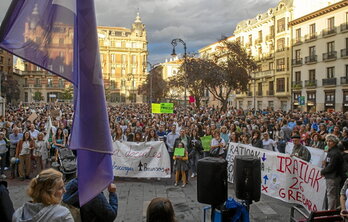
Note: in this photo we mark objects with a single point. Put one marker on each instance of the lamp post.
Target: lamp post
(131, 77)
(174, 44)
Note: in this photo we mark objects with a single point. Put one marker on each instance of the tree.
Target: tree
(159, 85)
(38, 96)
(10, 89)
(68, 93)
(190, 77)
(227, 71)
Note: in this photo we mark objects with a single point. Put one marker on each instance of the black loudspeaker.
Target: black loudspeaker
(247, 178)
(212, 181)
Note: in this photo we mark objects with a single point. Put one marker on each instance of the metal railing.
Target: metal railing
(297, 84)
(297, 61)
(311, 83)
(310, 37)
(344, 80)
(330, 81)
(311, 58)
(344, 52)
(344, 27)
(330, 55)
(329, 31)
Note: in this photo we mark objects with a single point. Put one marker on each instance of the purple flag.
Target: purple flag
(61, 37)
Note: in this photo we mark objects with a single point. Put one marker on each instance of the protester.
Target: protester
(41, 151)
(23, 150)
(196, 151)
(6, 205)
(181, 165)
(344, 200)
(218, 145)
(299, 150)
(46, 191)
(267, 143)
(97, 209)
(3, 151)
(332, 171)
(256, 139)
(171, 138)
(160, 210)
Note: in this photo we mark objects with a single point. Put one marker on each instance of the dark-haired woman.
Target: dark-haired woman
(23, 151)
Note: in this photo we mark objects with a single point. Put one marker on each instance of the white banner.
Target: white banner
(283, 177)
(317, 155)
(146, 159)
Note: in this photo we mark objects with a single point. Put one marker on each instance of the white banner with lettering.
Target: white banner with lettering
(283, 177)
(145, 159)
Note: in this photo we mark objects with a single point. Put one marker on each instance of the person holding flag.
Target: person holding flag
(28, 31)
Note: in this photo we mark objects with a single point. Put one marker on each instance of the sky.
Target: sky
(197, 22)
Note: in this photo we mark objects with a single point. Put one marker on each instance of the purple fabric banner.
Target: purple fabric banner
(61, 37)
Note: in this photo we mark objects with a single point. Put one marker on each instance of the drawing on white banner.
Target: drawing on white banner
(283, 177)
(141, 160)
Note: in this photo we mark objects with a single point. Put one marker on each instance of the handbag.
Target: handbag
(215, 152)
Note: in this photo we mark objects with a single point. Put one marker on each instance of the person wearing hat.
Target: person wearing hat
(6, 205)
(299, 150)
(332, 171)
(316, 142)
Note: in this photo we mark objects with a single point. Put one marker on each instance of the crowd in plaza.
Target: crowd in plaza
(26, 140)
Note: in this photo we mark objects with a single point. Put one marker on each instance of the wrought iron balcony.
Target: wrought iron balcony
(344, 80)
(330, 55)
(311, 59)
(344, 53)
(310, 37)
(330, 31)
(297, 62)
(311, 83)
(344, 27)
(297, 84)
(329, 82)
(37, 85)
(297, 42)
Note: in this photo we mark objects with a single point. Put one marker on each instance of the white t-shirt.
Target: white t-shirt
(25, 148)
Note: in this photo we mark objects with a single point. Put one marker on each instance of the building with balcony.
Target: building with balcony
(123, 54)
(6, 63)
(324, 37)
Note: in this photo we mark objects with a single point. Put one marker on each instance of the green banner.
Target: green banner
(156, 108)
(206, 141)
(179, 152)
(167, 107)
(162, 107)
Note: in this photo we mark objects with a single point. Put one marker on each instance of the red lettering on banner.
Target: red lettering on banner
(290, 195)
(301, 169)
(282, 193)
(288, 162)
(295, 167)
(280, 166)
(316, 181)
(311, 177)
(299, 196)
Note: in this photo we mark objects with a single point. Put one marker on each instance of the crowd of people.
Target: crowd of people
(34, 141)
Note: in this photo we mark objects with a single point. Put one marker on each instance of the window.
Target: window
(134, 70)
(296, 95)
(281, 25)
(271, 30)
(280, 65)
(346, 71)
(1, 59)
(240, 104)
(113, 71)
(123, 72)
(61, 41)
(124, 59)
(25, 82)
(311, 96)
(297, 76)
(49, 82)
(37, 81)
(298, 35)
(311, 74)
(298, 55)
(259, 104)
(112, 84)
(330, 72)
(25, 96)
(281, 85)
(330, 47)
(113, 57)
(259, 89)
(260, 35)
(250, 39)
(271, 66)
(61, 69)
(271, 104)
(134, 59)
(312, 51)
(250, 103)
(312, 31)
(61, 83)
(271, 86)
(281, 44)
(329, 97)
(331, 23)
